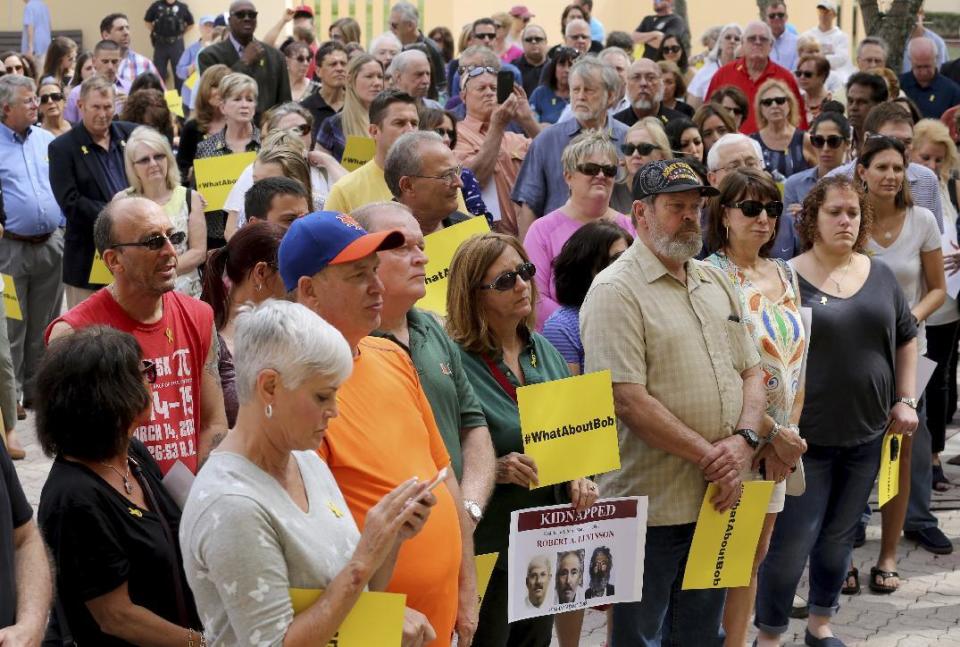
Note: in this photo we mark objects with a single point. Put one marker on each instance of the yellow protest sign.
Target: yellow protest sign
(725, 543)
(888, 481)
(174, 102)
(217, 175)
(569, 427)
(440, 247)
(376, 618)
(10, 301)
(99, 274)
(191, 80)
(357, 152)
(484, 565)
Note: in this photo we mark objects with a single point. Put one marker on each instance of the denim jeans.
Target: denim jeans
(667, 616)
(820, 524)
(921, 476)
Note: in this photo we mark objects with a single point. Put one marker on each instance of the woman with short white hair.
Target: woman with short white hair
(724, 51)
(265, 515)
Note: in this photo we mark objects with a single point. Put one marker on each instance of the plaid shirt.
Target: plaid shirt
(133, 65)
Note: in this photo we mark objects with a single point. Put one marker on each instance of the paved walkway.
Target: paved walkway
(924, 612)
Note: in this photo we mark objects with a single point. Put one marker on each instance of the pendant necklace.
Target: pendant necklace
(127, 485)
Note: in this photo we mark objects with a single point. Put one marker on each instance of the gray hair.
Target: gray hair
(407, 12)
(923, 41)
(401, 60)
(713, 157)
(404, 158)
(366, 216)
(523, 33)
(575, 21)
(99, 84)
(290, 339)
(489, 57)
(591, 66)
(874, 40)
(616, 51)
(386, 36)
(764, 27)
(714, 54)
(586, 145)
(9, 85)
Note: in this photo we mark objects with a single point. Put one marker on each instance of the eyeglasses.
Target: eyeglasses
(53, 96)
(534, 40)
(833, 141)
(301, 59)
(508, 280)
(148, 370)
(245, 14)
(303, 129)
(450, 177)
(593, 169)
(671, 49)
(735, 111)
(642, 148)
(448, 132)
(732, 37)
(157, 158)
(750, 162)
(156, 242)
(766, 103)
(776, 16)
(485, 36)
(753, 208)
(805, 74)
(758, 39)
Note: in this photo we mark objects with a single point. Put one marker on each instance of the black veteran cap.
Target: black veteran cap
(668, 176)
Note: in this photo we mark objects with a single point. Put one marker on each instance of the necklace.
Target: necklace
(845, 270)
(127, 485)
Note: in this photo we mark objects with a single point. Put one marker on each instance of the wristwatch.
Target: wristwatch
(910, 402)
(750, 436)
(473, 509)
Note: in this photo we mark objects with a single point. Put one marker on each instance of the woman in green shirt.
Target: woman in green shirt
(490, 305)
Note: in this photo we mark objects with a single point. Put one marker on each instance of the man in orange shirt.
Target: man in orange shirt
(385, 432)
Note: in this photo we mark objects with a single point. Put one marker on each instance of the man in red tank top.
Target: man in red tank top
(175, 331)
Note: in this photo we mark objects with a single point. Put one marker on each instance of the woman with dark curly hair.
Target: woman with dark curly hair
(149, 108)
(860, 393)
(110, 524)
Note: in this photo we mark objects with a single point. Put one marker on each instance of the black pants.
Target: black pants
(168, 53)
(941, 348)
(493, 630)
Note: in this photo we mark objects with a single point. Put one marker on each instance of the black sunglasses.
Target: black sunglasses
(736, 112)
(833, 141)
(148, 370)
(303, 129)
(485, 36)
(593, 169)
(53, 96)
(302, 59)
(671, 49)
(805, 74)
(642, 148)
(766, 103)
(449, 132)
(776, 16)
(753, 208)
(534, 39)
(507, 280)
(245, 14)
(155, 242)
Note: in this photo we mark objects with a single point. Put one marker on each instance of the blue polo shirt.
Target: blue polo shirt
(28, 199)
(934, 99)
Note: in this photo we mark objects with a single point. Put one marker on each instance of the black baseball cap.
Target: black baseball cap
(668, 176)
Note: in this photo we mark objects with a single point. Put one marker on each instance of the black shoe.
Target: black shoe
(930, 539)
(800, 611)
(812, 641)
(21, 412)
(860, 538)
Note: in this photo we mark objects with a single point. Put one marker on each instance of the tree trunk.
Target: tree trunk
(894, 26)
(680, 8)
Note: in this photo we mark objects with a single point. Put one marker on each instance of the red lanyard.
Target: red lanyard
(501, 379)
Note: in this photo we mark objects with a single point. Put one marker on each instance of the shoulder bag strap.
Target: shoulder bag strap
(501, 379)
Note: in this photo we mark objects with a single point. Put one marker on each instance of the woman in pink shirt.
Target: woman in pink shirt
(590, 168)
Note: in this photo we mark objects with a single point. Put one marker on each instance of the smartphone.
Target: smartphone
(504, 85)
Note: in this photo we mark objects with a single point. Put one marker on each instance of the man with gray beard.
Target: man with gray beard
(688, 392)
(645, 93)
(601, 565)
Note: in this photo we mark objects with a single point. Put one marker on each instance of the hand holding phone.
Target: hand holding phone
(504, 85)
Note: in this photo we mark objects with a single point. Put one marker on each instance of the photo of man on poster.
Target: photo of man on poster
(538, 582)
(601, 565)
(569, 575)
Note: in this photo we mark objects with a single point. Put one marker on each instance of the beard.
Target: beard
(683, 245)
(646, 105)
(598, 584)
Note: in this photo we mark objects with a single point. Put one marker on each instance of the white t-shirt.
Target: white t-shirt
(701, 80)
(919, 234)
(320, 189)
(835, 45)
(949, 311)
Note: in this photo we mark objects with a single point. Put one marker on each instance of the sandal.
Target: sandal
(851, 589)
(940, 481)
(880, 587)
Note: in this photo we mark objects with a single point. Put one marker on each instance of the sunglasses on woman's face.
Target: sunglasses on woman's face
(833, 141)
(643, 148)
(753, 208)
(302, 59)
(805, 74)
(508, 280)
(303, 129)
(148, 370)
(53, 96)
(593, 170)
(671, 49)
(450, 133)
(766, 103)
(733, 110)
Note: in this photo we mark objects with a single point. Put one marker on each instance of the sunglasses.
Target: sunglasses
(736, 112)
(833, 141)
(245, 14)
(303, 129)
(643, 148)
(766, 103)
(804, 74)
(449, 132)
(53, 96)
(473, 71)
(534, 39)
(753, 208)
(776, 16)
(156, 158)
(758, 39)
(302, 59)
(593, 169)
(148, 370)
(508, 280)
(156, 242)
(485, 36)
(671, 49)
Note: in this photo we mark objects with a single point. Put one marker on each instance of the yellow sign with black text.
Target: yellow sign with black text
(174, 102)
(440, 246)
(569, 427)
(99, 274)
(888, 480)
(357, 152)
(376, 618)
(217, 175)
(725, 543)
(10, 301)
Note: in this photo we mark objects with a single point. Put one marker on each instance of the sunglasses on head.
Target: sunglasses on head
(148, 370)
(156, 242)
(567, 52)
(671, 49)
(508, 280)
(53, 96)
(534, 39)
(753, 208)
(766, 103)
(833, 141)
(245, 14)
(593, 169)
(805, 74)
(642, 148)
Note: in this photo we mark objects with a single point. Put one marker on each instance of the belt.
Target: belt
(34, 240)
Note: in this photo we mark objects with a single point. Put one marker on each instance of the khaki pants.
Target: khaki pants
(76, 295)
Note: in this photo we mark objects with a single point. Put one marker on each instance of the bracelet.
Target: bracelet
(773, 433)
(200, 641)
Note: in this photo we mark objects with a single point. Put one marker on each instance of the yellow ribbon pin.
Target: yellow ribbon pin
(135, 512)
(334, 509)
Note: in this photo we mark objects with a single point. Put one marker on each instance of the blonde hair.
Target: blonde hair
(793, 114)
(466, 321)
(934, 131)
(355, 118)
(235, 83)
(287, 149)
(350, 29)
(803, 42)
(585, 145)
(147, 136)
(654, 128)
(209, 81)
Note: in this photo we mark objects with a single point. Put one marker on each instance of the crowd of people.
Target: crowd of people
(683, 220)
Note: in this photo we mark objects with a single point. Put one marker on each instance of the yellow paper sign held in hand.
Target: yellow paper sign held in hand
(217, 175)
(99, 274)
(10, 301)
(191, 80)
(888, 481)
(484, 565)
(569, 427)
(376, 618)
(174, 102)
(725, 543)
(357, 152)
(440, 246)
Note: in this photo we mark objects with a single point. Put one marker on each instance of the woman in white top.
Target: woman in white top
(933, 148)
(265, 515)
(724, 51)
(907, 239)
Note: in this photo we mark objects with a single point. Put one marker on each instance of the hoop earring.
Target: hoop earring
(268, 411)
